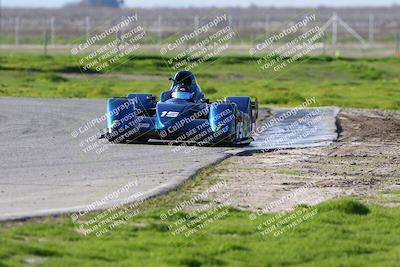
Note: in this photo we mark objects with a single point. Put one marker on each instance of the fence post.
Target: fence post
(160, 30)
(17, 30)
(230, 21)
(196, 25)
(230, 24)
(45, 40)
(87, 24)
(267, 19)
(334, 29)
(253, 39)
(1, 22)
(53, 30)
(118, 35)
(371, 29)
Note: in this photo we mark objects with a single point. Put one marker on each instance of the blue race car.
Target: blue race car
(183, 114)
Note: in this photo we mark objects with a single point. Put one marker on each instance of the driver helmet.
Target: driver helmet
(181, 91)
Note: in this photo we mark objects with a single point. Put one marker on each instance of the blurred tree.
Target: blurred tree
(101, 3)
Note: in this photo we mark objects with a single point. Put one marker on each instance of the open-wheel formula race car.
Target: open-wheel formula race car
(183, 114)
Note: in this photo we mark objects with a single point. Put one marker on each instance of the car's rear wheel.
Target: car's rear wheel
(235, 135)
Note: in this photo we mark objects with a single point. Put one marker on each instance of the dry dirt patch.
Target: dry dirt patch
(364, 162)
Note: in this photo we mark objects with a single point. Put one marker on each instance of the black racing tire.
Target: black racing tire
(141, 140)
(234, 138)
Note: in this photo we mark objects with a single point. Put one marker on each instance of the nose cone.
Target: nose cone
(168, 113)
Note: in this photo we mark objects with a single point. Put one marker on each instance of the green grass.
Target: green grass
(359, 83)
(342, 233)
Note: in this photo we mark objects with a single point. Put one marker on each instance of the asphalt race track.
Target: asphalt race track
(49, 167)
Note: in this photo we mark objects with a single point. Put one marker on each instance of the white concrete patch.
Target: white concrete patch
(310, 127)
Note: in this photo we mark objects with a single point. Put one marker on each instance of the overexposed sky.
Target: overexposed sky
(202, 3)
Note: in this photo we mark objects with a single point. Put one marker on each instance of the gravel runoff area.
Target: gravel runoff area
(364, 162)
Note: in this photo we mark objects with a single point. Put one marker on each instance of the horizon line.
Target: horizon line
(213, 6)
